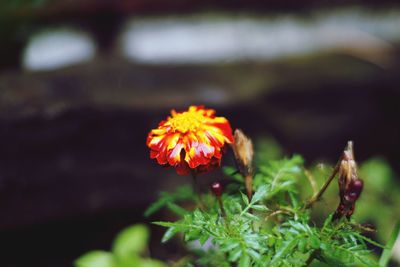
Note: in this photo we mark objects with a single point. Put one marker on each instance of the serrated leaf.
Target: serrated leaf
(238, 207)
(251, 216)
(229, 246)
(259, 207)
(165, 224)
(171, 232)
(244, 261)
(192, 235)
(360, 236)
(368, 261)
(254, 254)
(259, 194)
(154, 207)
(302, 245)
(283, 250)
(203, 239)
(314, 242)
(271, 241)
(176, 209)
(182, 193)
(327, 221)
(245, 199)
(235, 254)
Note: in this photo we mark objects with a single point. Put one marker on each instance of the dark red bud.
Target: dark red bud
(354, 190)
(217, 189)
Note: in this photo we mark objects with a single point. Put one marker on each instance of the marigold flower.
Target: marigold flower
(190, 140)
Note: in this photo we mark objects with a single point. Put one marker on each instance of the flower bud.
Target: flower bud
(243, 150)
(348, 167)
(217, 189)
(350, 186)
(354, 189)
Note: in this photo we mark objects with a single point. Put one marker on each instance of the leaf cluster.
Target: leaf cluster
(272, 229)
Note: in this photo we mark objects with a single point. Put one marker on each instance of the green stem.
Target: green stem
(221, 206)
(196, 189)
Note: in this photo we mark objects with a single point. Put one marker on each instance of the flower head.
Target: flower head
(190, 140)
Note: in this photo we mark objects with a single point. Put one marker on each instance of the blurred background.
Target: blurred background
(82, 83)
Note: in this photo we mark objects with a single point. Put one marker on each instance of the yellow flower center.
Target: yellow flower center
(187, 121)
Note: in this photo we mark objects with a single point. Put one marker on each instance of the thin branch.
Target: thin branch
(276, 213)
(318, 196)
(312, 181)
(196, 189)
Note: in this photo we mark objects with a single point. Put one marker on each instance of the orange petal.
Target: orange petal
(175, 154)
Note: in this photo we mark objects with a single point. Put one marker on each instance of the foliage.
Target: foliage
(126, 251)
(272, 229)
(381, 186)
(168, 200)
(387, 253)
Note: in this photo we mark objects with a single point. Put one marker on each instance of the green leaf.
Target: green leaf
(302, 245)
(177, 209)
(244, 261)
(387, 252)
(165, 224)
(327, 221)
(283, 250)
(259, 194)
(369, 240)
(95, 259)
(229, 246)
(293, 199)
(131, 241)
(314, 242)
(271, 241)
(254, 254)
(245, 199)
(251, 216)
(154, 207)
(134, 260)
(259, 207)
(367, 260)
(182, 193)
(150, 263)
(235, 254)
(203, 239)
(171, 232)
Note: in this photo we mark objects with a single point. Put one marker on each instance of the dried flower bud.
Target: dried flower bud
(348, 167)
(350, 186)
(217, 189)
(243, 150)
